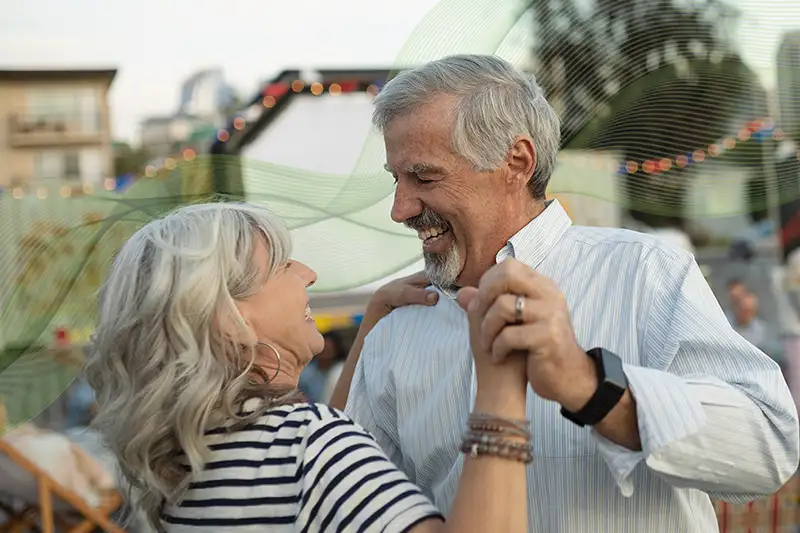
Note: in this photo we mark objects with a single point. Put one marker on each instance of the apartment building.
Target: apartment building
(54, 129)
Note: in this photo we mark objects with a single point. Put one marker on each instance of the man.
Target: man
(669, 406)
(746, 322)
(736, 291)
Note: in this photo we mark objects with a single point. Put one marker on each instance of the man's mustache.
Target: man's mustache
(427, 219)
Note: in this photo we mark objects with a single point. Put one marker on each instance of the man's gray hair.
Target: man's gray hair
(496, 103)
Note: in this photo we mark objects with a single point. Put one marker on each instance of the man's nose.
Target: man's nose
(406, 204)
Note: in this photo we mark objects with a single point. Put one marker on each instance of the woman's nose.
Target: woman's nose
(307, 274)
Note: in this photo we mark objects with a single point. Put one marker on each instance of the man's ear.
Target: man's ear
(521, 161)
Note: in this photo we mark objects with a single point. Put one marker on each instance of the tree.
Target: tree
(128, 160)
(649, 79)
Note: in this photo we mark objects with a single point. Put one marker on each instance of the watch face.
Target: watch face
(614, 374)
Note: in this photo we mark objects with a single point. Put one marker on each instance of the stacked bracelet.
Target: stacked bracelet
(488, 435)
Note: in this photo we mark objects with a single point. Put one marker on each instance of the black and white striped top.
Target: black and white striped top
(300, 468)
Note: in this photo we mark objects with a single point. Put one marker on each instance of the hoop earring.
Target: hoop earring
(277, 354)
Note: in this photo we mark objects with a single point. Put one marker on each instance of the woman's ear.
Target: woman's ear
(235, 327)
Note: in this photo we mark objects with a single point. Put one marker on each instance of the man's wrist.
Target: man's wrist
(580, 383)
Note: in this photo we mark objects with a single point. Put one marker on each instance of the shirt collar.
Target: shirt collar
(531, 244)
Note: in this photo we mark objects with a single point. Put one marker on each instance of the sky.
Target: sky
(155, 44)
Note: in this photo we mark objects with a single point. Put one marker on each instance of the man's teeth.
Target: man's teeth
(431, 232)
(309, 316)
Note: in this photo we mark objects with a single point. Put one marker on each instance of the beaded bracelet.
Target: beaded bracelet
(473, 437)
(475, 449)
(497, 424)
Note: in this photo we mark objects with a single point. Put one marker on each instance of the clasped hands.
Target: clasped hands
(517, 313)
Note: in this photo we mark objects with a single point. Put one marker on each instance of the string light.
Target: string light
(238, 123)
(632, 167)
(316, 88)
(87, 188)
(17, 193)
(648, 166)
(41, 193)
(714, 150)
(269, 101)
(699, 156)
(373, 90)
(298, 85)
(729, 143)
(744, 134)
(189, 154)
(665, 164)
(223, 135)
(335, 89)
(66, 191)
(170, 163)
(681, 161)
(110, 184)
(150, 171)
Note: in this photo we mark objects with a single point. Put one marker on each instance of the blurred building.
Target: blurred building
(789, 83)
(55, 127)
(166, 136)
(205, 100)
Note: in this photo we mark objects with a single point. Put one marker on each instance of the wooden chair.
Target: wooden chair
(51, 515)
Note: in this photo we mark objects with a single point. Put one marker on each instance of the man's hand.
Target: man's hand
(556, 366)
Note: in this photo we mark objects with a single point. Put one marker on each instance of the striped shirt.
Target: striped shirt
(300, 468)
(715, 415)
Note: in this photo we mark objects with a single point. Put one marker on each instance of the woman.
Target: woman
(204, 330)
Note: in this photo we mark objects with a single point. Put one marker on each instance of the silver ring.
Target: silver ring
(519, 308)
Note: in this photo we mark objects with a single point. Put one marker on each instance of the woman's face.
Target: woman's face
(278, 312)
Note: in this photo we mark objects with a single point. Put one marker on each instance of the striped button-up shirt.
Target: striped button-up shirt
(716, 419)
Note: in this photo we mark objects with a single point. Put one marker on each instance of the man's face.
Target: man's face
(736, 292)
(746, 309)
(453, 208)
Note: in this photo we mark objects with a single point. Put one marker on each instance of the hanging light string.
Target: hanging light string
(760, 130)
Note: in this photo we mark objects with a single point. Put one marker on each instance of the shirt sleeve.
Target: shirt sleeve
(350, 485)
(371, 401)
(714, 412)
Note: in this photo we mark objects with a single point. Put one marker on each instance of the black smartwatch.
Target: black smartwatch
(611, 388)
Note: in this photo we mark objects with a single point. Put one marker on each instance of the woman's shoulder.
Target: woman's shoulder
(309, 417)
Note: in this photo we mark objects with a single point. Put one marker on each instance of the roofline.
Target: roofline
(227, 177)
(57, 74)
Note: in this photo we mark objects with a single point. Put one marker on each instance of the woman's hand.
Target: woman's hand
(502, 387)
(409, 290)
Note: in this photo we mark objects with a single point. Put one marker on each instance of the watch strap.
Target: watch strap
(611, 387)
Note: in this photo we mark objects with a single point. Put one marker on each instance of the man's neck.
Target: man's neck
(500, 236)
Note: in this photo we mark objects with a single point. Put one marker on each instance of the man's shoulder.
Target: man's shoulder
(626, 240)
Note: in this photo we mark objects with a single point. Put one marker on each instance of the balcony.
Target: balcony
(27, 130)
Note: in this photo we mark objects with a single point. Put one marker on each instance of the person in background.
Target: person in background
(321, 375)
(736, 291)
(746, 321)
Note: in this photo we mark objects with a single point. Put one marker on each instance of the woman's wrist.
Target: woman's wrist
(502, 397)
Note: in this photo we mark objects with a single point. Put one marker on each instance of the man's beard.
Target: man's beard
(441, 268)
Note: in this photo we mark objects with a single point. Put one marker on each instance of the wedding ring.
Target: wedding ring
(519, 308)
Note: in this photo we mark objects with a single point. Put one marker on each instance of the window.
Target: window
(77, 108)
(60, 166)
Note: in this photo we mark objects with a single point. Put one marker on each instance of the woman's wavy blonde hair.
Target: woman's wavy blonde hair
(161, 368)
